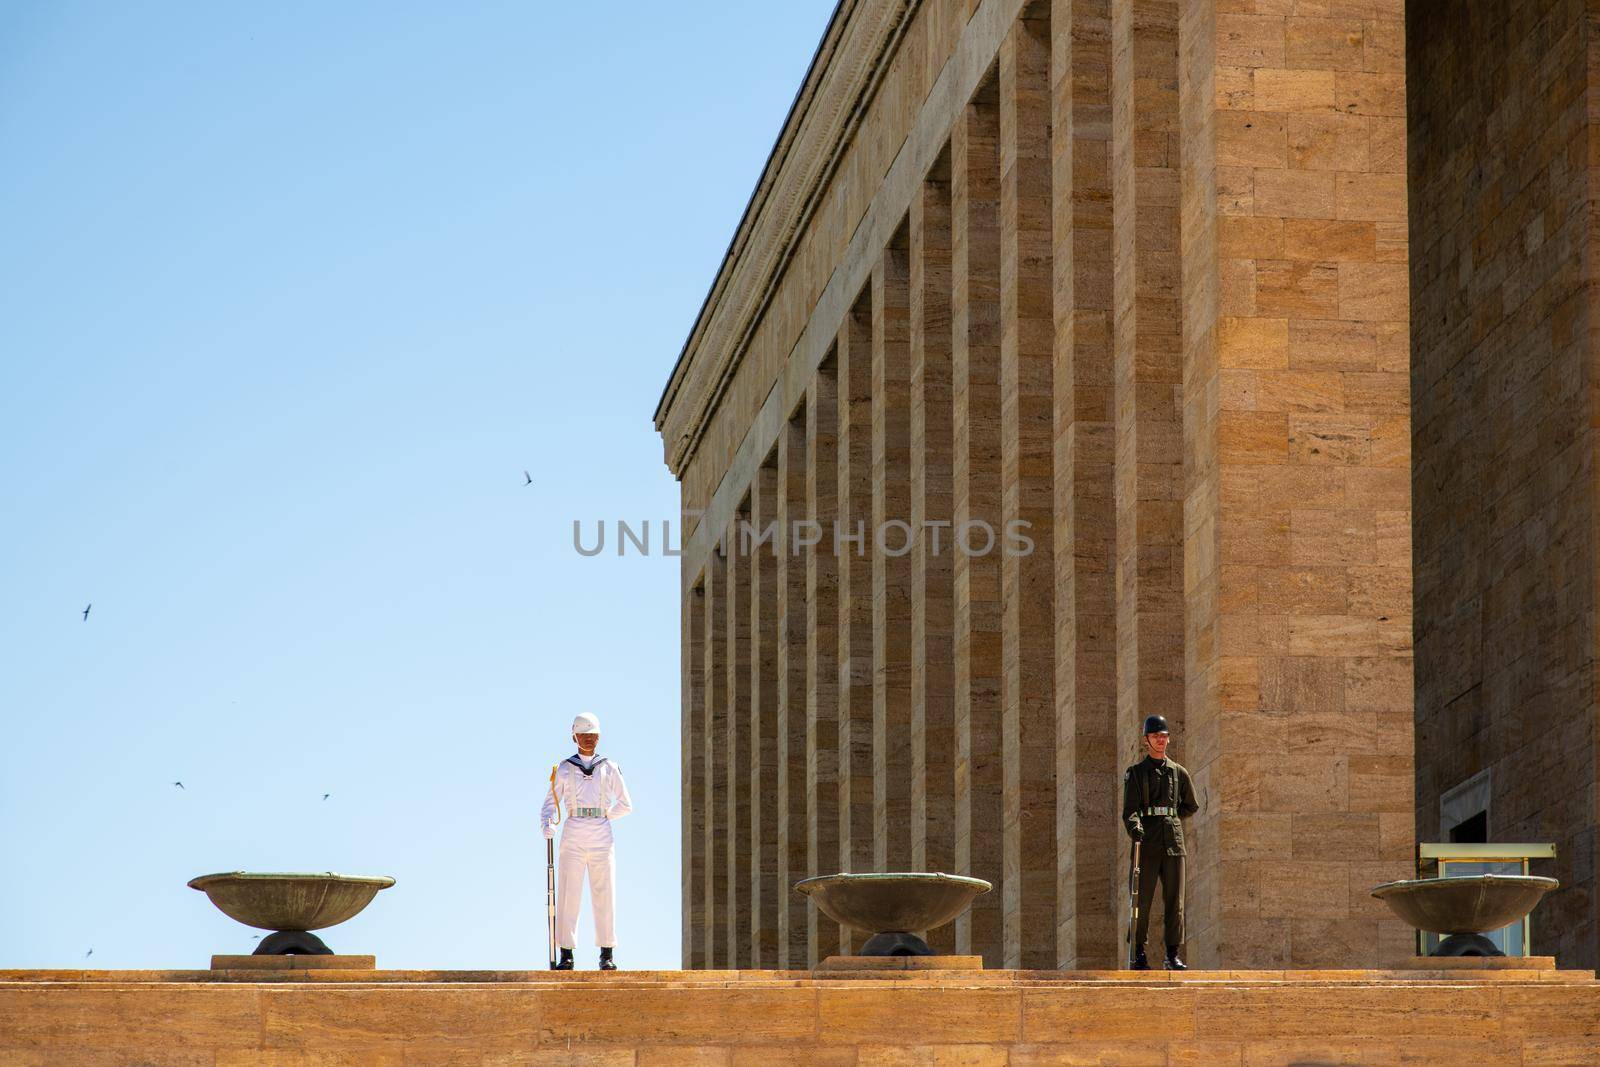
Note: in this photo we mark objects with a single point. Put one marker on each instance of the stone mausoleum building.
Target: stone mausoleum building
(1237, 360)
(1271, 326)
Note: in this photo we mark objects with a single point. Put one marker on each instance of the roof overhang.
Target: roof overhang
(845, 70)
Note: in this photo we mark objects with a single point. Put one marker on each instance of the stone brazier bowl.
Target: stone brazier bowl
(892, 907)
(291, 905)
(1465, 907)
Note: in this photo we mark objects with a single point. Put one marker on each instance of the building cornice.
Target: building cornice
(855, 51)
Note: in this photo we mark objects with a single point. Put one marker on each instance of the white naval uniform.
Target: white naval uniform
(586, 845)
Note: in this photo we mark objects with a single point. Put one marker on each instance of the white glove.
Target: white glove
(549, 830)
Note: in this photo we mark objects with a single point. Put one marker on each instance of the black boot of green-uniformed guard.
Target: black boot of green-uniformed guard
(1140, 963)
(606, 963)
(1174, 963)
(566, 960)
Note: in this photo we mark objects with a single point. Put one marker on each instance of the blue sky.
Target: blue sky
(290, 296)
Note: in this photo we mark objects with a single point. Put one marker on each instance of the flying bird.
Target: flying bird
(180, 786)
(86, 612)
(325, 796)
(86, 955)
(527, 479)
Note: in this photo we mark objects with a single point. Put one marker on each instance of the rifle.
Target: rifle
(1133, 901)
(1133, 875)
(550, 877)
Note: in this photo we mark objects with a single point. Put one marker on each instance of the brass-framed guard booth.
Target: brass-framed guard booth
(1457, 859)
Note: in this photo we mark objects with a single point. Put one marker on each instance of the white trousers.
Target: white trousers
(596, 855)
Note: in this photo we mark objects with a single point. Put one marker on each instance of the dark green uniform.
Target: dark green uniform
(1156, 797)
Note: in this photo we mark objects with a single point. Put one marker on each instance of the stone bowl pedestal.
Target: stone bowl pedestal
(290, 905)
(894, 908)
(1464, 907)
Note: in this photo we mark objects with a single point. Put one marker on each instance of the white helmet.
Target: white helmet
(586, 724)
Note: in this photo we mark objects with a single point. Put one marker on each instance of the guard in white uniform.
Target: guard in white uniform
(590, 793)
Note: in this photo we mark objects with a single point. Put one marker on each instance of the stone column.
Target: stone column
(1028, 578)
(1089, 875)
(822, 649)
(975, 430)
(890, 537)
(932, 576)
(693, 756)
(738, 916)
(1297, 519)
(791, 579)
(1148, 375)
(853, 356)
(713, 738)
(765, 891)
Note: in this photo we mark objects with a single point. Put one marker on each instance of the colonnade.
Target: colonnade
(1022, 498)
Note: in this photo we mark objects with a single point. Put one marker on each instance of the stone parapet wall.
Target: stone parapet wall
(772, 1018)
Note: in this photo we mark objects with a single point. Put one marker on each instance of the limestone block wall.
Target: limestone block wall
(1502, 114)
(1126, 278)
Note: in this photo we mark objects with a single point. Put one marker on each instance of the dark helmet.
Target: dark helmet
(1156, 724)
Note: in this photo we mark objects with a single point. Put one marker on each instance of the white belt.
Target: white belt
(1159, 811)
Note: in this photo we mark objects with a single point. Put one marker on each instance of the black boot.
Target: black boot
(605, 960)
(566, 960)
(1173, 962)
(1140, 963)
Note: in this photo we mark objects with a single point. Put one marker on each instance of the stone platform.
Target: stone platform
(1532, 1014)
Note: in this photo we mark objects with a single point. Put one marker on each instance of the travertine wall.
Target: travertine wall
(1502, 112)
(1131, 277)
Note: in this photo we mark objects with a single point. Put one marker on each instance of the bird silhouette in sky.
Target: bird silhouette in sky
(527, 479)
(86, 955)
(86, 608)
(180, 786)
(325, 796)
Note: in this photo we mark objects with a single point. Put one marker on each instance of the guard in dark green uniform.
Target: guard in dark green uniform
(1156, 796)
